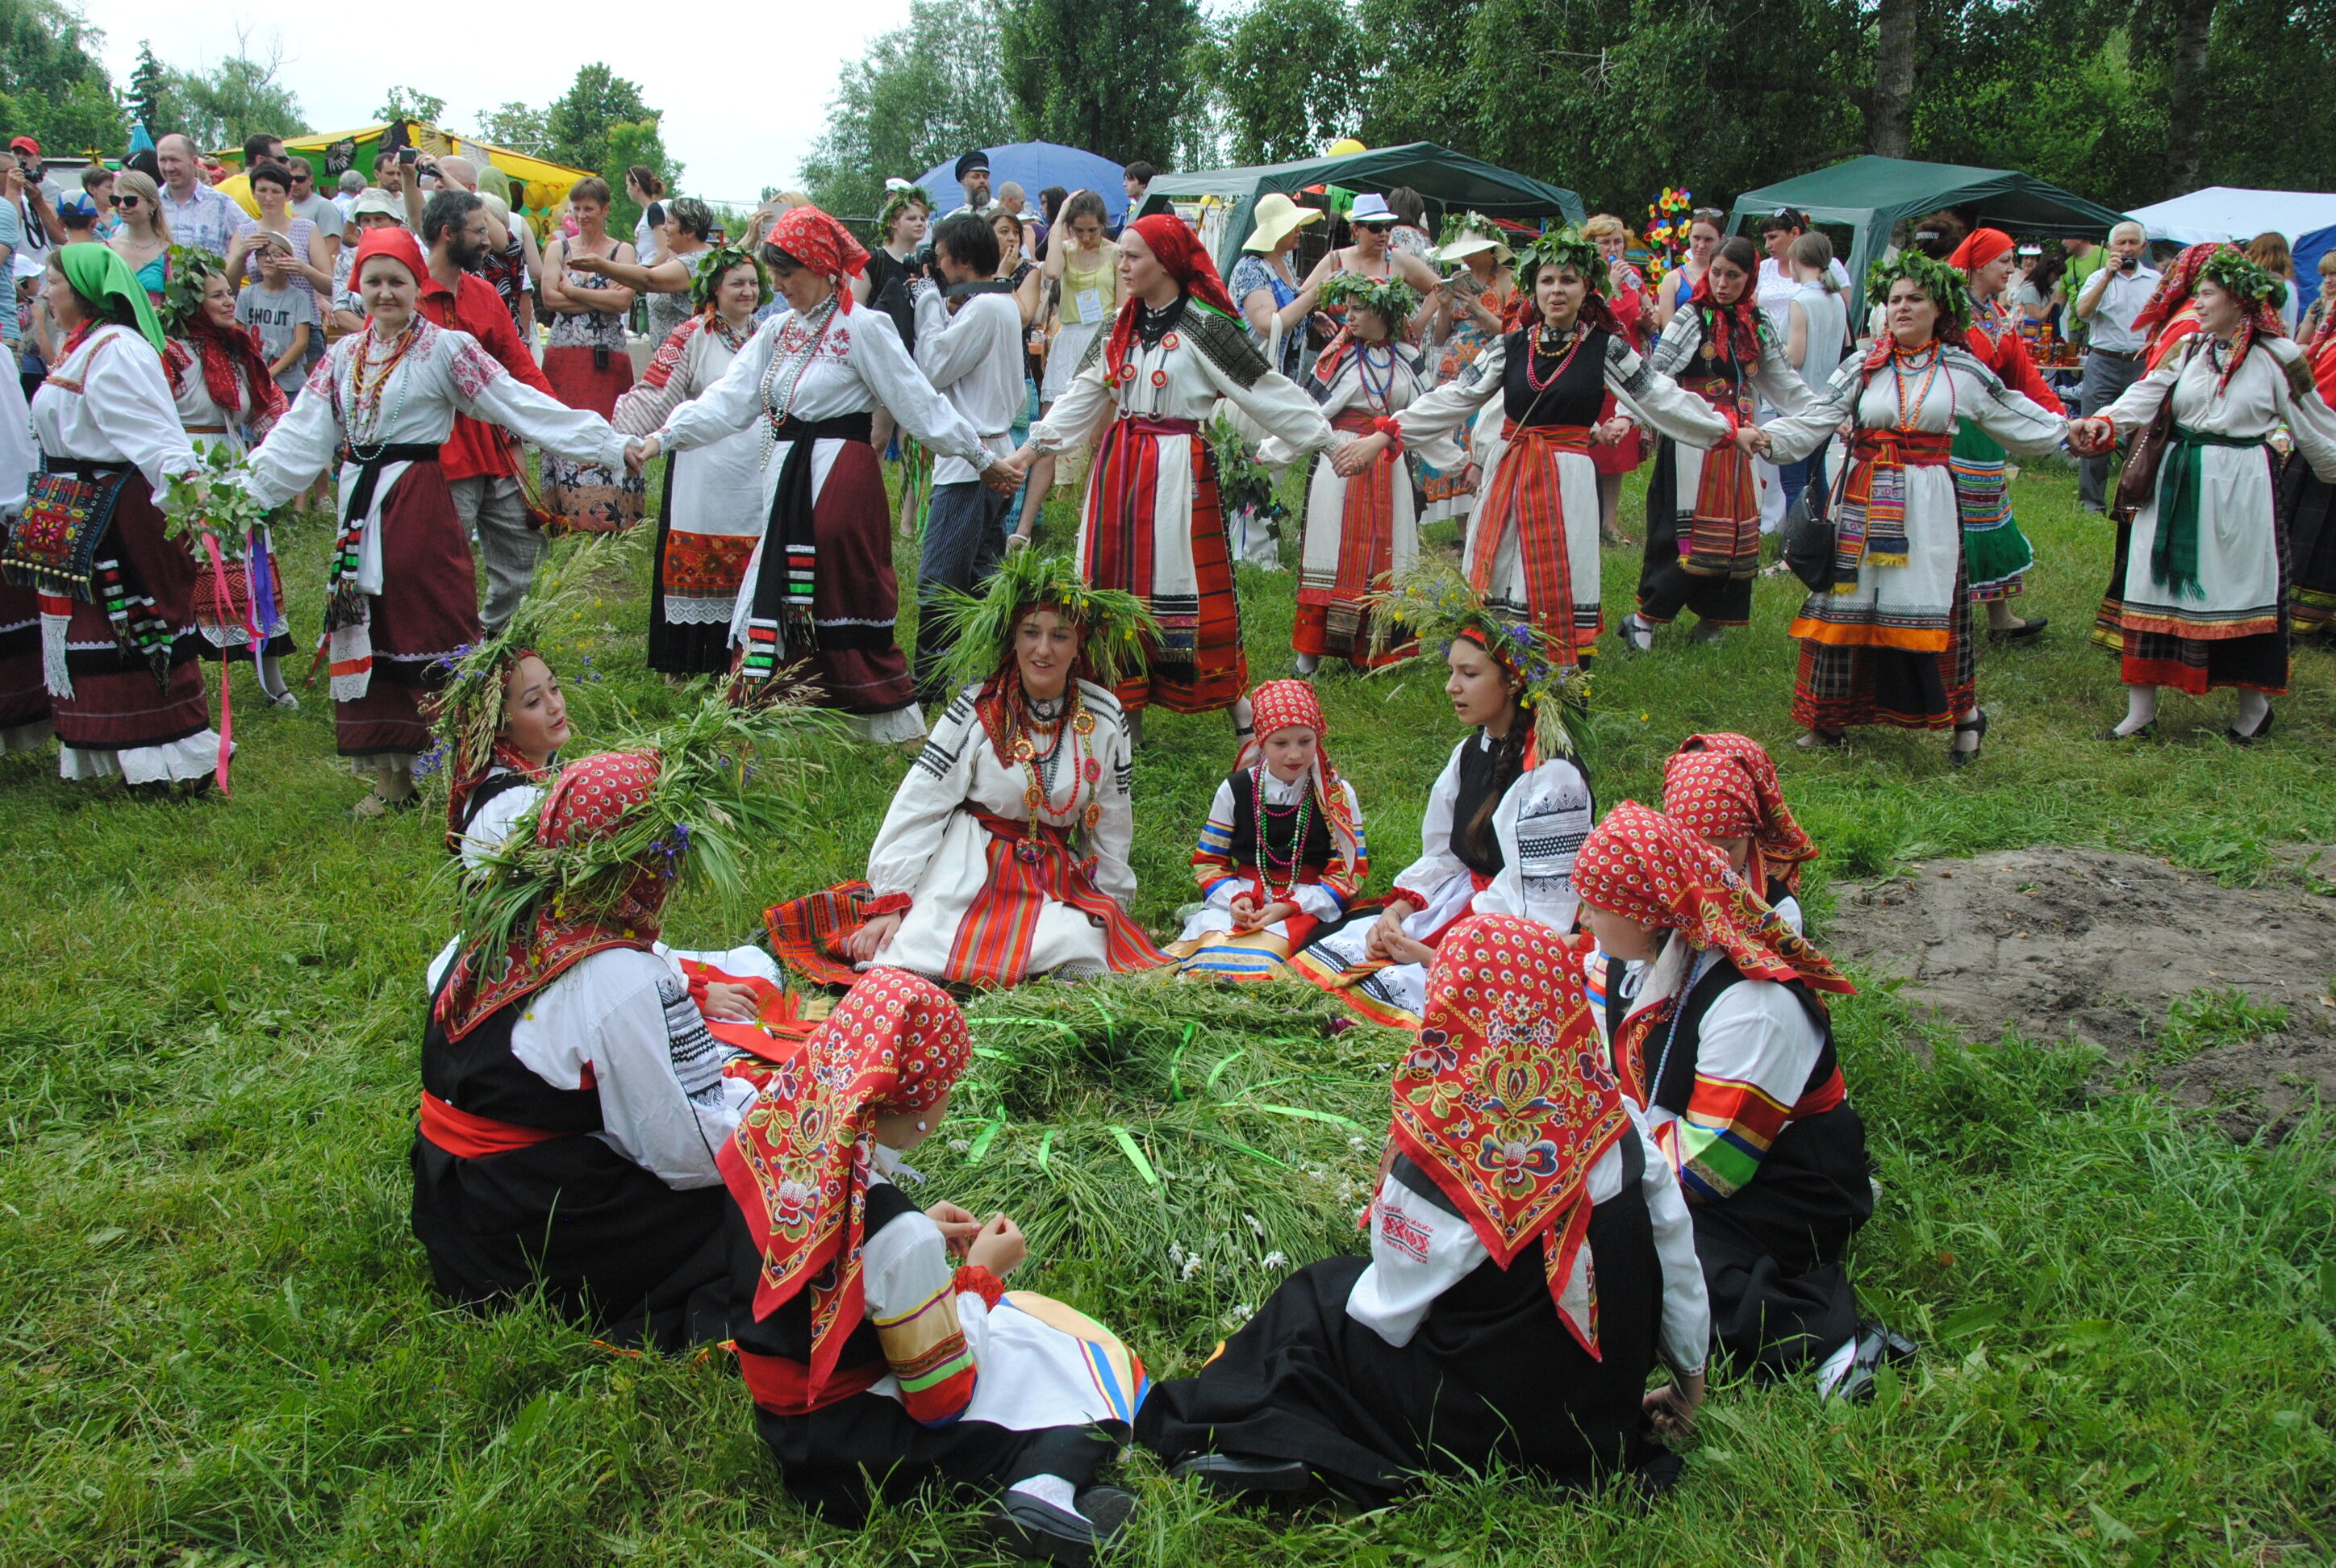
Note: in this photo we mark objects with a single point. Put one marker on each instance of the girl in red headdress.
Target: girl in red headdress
(1281, 857)
(1716, 1014)
(1724, 788)
(2205, 595)
(1152, 524)
(880, 1345)
(819, 593)
(400, 598)
(1532, 1262)
(1996, 554)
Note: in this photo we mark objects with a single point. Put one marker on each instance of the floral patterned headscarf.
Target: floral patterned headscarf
(800, 1162)
(824, 246)
(587, 801)
(1280, 704)
(1507, 1101)
(1723, 786)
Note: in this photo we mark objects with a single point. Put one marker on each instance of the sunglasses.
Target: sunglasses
(127, 200)
(1376, 228)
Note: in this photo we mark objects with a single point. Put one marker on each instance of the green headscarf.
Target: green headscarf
(97, 272)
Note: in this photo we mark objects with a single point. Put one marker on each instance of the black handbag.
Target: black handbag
(1807, 536)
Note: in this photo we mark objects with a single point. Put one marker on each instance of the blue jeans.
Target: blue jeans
(1021, 432)
(964, 539)
(1796, 477)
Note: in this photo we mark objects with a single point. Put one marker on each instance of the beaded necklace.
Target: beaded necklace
(1539, 347)
(367, 384)
(1079, 724)
(794, 364)
(1266, 859)
(1900, 360)
(1375, 398)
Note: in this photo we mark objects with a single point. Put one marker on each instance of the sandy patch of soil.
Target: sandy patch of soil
(2088, 945)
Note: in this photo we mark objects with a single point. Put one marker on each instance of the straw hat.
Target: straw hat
(1471, 235)
(1277, 215)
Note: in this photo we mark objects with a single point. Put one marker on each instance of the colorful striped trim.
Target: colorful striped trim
(1728, 1126)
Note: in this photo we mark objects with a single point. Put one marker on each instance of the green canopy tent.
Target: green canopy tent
(1447, 179)
(1872, 194)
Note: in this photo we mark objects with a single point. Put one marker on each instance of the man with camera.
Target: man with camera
(2108, 303)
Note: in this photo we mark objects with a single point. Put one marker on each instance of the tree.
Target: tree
(1290, 73)
(222, 106)
(920, 95)
(1119, 80)
(408, 103)
(148, 82)
(517, 127)
(1890, 123)
(52, 87)
(576, 125)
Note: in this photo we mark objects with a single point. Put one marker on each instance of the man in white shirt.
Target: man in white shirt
(970, 346)
(2108, 303)
(199, 216)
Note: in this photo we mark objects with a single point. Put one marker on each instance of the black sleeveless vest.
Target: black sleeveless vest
(478, 1074)
(1279, 830)
(1578, 394)
(1671, 1053)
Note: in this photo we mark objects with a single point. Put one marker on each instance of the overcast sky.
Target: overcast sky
(744, 92)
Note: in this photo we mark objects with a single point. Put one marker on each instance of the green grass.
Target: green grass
(220, 1346)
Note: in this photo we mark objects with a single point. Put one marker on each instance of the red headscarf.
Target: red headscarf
(1640, 863)
(1723, 786)
(1179, 250)
(1280, 704)
(231, 367)
(2163, 317)
(1978, 247)
(397, 244)
(586, 802)
(1508, 1101)
(800, 1162)
(823, 245)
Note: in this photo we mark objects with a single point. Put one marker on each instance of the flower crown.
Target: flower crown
(1566, 247)
(1390, 297)
(1113, 623)
(185, 272)
(1944, 285)
(1436, 605)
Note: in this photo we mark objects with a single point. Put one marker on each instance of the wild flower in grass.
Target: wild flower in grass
(959, 1145)
(1242, 1313)
(1176, 1253)
(1274, 1261)
(1255, 1226)
(1191, 1266)
(429, 762)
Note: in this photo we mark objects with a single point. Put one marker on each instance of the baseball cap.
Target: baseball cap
(78, 205)
(26, 144)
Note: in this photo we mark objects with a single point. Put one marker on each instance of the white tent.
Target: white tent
(2230, 212)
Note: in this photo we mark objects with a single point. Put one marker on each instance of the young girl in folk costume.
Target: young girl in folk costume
(1504, 818)
(1282, 855)
(1890, 642)
(1475, 303)
(711, 512)
(1997, 553)
(1004, 856)
(573, 1101)
(1532, 1261)
(878, 1342)
(115, 593)
(2307, 504)
(1360, 531)
(819, 591)
(1723, 788)
(402, 595)
(1703, 509)
(226, 397)
(1152, 525)
(1533, 540)
(2206, 575)
(1719, 1028)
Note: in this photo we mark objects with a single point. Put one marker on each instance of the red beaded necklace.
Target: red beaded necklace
(1534, 351)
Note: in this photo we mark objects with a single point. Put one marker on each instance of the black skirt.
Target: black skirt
(2304, 507)
(1491, 1374)
(1772, 1251)
(612, 1246)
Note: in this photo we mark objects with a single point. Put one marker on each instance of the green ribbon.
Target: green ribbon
(2174, 553)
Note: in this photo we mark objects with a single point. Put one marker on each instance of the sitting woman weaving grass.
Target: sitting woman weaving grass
(1504, 818)
(1003, 855)
(880, 1347)
(1532, 1260)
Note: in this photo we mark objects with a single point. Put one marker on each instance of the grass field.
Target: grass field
(221, 1347)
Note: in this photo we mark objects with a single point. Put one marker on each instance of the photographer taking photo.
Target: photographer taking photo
(2108, 303)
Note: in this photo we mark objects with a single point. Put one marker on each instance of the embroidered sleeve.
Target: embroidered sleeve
(911, 1289)
(1678, 342)
(1278, 405)
(664, 1103)
(663, 386)
(1449, 406)
(1225, 344)
(303, 443)
(1215, 866)
(732, 403)
(498, 397)
(929, 795)
(1115, 833)
(1344, 878)
(1653, 399)
(1541, 824)
(1756, 1051)
(1795, 436)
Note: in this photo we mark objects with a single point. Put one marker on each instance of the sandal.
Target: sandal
(1978, 726)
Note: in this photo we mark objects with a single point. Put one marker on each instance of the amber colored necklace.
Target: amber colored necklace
(1536, 350)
